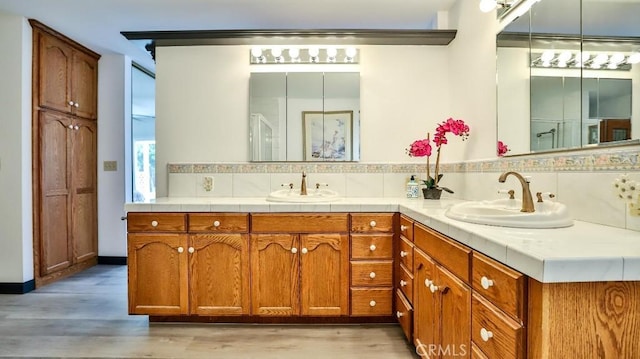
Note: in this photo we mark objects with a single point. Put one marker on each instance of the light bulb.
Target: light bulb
(314, 51)
(564, 56)
(612, 66)
(585, 56)
(276, 52)
(634, 58)
(256, 52)
(562, 64)
(488, 5)
(616, 58)
(294, 53)
(547, 55)
(546, 63)
(332, 51)
(351, 52)
(601, 59)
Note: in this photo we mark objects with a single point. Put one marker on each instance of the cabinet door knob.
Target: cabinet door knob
(216, 223)
(372, 247)
(486, 334)
(294, 250)
(76, 105)
(154, 223)
(403, 283)
(428, 283)
(486, 282)
(403, 227)
(71, 103)
(372, 303)
(180, 249)
(71, 127)
(304, 250)
(399, 314)
(433, 288)
(191, 249)
(76, 127)
(403, 254)
(372, 224)
(372, 275)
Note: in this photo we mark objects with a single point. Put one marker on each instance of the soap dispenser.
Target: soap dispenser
(412, 187)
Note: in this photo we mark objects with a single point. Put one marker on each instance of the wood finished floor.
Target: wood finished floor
(85, 316)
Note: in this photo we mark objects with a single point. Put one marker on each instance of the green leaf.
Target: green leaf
(431, 182)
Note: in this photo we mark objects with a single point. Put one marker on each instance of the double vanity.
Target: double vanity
(457, 289)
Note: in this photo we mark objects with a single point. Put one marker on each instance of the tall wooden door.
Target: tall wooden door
(425, 318)
(55, 188)
(455, 315)
(324, 274)
(275, 274)
(84, 190)
(158, 273)
(219, 274)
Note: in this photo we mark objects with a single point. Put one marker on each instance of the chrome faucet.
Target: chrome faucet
(527, 199)
(303, 186)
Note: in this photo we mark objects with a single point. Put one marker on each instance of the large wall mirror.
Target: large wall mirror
(569, 76)
(304, 116)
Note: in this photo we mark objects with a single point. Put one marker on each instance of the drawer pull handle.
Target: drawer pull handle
(372, 275)
(304, 250)
(191, 249)
(372, 224)
(216, 224)
(372, 303)
(372, 247)
(399, 314)
(403, 283)
(433, 288)
(180, 249)
(403, 227)
(154, 223)
(403, 254)
(486, 334)
(294, 250)
(428, 283)
(486, 282)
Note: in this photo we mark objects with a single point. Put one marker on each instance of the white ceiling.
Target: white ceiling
(97, 23)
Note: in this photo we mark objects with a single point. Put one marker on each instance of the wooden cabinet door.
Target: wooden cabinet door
(54, 80)
(324, 272)
(425, 318)
(455, 315)
(84, 85)
(275, 274)
(219, 274)
(158, 278)
(84, 194)
(55, 188)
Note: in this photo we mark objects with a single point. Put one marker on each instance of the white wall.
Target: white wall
(114, 106)
(202, 102)
(16, 237)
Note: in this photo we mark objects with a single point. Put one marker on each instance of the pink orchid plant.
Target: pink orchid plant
(502, 149)
(422, 147)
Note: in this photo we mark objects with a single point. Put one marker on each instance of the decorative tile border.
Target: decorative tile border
(627, 159)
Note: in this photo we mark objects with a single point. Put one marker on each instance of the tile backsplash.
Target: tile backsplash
(583, 180)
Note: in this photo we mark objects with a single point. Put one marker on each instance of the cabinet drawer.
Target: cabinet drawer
(218, 222)
(371, 301)
(372, 222)
(367, 246)
(452, 255)
(405, 252)
(502, 285)
(405, 282)
(299, 223)
(497, 335)
(372, 273)
(156, 222)
(404, 313)
(406, 227)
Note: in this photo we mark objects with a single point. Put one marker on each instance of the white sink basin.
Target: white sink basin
(506, 213)
(312, 196)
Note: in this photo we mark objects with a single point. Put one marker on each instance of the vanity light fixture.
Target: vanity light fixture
(490, 5)
(303, 54)
(600, 61)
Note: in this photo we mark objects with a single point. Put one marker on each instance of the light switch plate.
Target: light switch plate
(110, 165)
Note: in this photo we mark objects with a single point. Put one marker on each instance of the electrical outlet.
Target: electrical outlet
(207, 183)
(110, 166)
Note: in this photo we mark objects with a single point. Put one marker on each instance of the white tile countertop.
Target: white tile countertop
(584, 252)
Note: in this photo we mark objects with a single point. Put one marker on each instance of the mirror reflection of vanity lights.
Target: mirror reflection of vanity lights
(304, 55)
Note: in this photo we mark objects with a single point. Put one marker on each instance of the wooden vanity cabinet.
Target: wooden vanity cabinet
(302, 273)
(404, 257)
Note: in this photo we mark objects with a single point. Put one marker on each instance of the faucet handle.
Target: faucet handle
(321, 184)
(290, 185)
(547, 195)
(510, 192)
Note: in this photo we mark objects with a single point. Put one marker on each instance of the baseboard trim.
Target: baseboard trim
(17, 288)
(112, 260)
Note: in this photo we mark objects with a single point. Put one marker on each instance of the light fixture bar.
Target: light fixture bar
(576, 59)
(282, 54)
